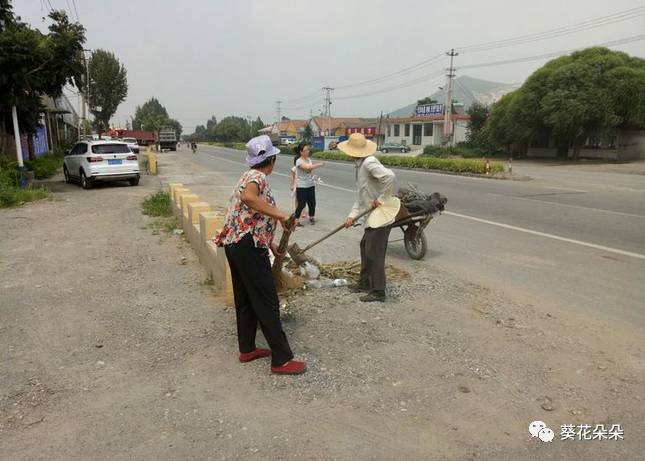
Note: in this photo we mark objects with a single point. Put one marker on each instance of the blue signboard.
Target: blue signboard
(429, 109)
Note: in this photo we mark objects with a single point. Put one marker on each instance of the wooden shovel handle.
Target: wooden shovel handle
(338, 229)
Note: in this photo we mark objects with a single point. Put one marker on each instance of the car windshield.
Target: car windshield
(129, 140)
(110, 149)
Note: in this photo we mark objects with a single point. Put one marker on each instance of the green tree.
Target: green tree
(108, 87)
(426, 100)
(590, 92)
(211, 124)
(232, 129)
(175, 125)
(150, 108)
(308, 134)
(476, 135)
(35, 64)
(199, 134)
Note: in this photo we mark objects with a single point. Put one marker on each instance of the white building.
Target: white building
(425, 130)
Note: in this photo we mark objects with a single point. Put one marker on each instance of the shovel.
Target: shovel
(298, 255)
(278, 276)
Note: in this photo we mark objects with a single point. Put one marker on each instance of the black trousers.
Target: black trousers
(306, 196)
(373, 249)
(256, 299)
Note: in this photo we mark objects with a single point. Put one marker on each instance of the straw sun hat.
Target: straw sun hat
(385, 214)
(357, 146)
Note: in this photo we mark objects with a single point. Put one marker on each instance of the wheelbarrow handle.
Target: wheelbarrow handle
(336, 230)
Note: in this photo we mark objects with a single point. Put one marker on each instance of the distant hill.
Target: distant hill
(467, 90)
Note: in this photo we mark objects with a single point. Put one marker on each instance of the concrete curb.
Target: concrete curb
(200, 224)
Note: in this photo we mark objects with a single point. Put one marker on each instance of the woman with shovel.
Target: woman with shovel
(247, 237)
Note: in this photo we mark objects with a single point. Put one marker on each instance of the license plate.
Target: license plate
(115, 162)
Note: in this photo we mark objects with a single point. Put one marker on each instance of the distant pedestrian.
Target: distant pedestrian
(247, 237)
(305, 181)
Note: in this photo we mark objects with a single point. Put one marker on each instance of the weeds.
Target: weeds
(157, 204)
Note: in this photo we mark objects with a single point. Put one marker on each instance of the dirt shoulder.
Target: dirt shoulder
(112, 349)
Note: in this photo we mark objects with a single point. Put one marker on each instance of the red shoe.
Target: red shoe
(292, 367)
(256, 354)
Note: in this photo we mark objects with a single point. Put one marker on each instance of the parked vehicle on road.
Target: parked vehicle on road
(168, 139)
(394, 147)
(132, 144)
(91, 161)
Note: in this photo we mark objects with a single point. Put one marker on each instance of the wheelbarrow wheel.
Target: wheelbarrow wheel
(415, 247)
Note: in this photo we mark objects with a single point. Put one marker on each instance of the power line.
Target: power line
(76, 11)
(309, 106)
(416, 81)
(622, 41)
(398, 73)
(557, 32)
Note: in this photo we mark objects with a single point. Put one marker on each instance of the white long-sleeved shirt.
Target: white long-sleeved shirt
(373, 182)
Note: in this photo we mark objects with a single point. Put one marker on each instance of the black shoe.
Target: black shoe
(374, 296)
(359, 288)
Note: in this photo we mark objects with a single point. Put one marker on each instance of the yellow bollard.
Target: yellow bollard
(152, 163)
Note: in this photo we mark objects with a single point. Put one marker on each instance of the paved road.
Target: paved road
(572, 239)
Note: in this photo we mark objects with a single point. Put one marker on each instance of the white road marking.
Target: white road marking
(551, 236)
(564, 188)
(602, 210)
(505, 226)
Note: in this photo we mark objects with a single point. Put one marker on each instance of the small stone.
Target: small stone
(602, 367)
(454, 428)
(177, 232)
(464, 389)
(155, 232)
(183, 260)
(363, 321)
(547, 404)
(98, 345)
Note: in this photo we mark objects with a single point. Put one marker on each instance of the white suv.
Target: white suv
(90, 161)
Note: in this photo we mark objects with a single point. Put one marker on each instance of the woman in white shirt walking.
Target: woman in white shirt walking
(305, 181)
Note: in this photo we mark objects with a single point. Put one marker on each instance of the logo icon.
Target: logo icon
(538, 429)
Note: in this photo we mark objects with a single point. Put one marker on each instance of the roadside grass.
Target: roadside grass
(230, 145)
(157, 204)
(46, 166)
(164, 224)
(454, 165)
(11, 195)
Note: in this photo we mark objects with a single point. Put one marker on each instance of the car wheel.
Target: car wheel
(134, 181)
(384, 151)
(66, 174)
(85, 182)
(403, 151)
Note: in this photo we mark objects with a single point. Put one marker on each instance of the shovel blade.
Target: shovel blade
(296, 254)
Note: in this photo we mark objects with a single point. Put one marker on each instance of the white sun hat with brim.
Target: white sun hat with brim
(259, 149)
(384, 214)
(358, 146)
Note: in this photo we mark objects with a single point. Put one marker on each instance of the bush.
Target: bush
(157, 204)
(11, 194)
(456, 165)
(14, 196)
(46, 166)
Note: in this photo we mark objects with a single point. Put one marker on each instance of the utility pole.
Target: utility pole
(448, 130)
(279, 111)
(328, 91)
(16, 134)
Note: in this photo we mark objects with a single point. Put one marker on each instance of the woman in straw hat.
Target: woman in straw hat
(375, 185)
(247, 237)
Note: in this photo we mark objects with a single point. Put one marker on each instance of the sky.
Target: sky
(238, 57)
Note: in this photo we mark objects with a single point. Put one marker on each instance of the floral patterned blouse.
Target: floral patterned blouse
(242, 220)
